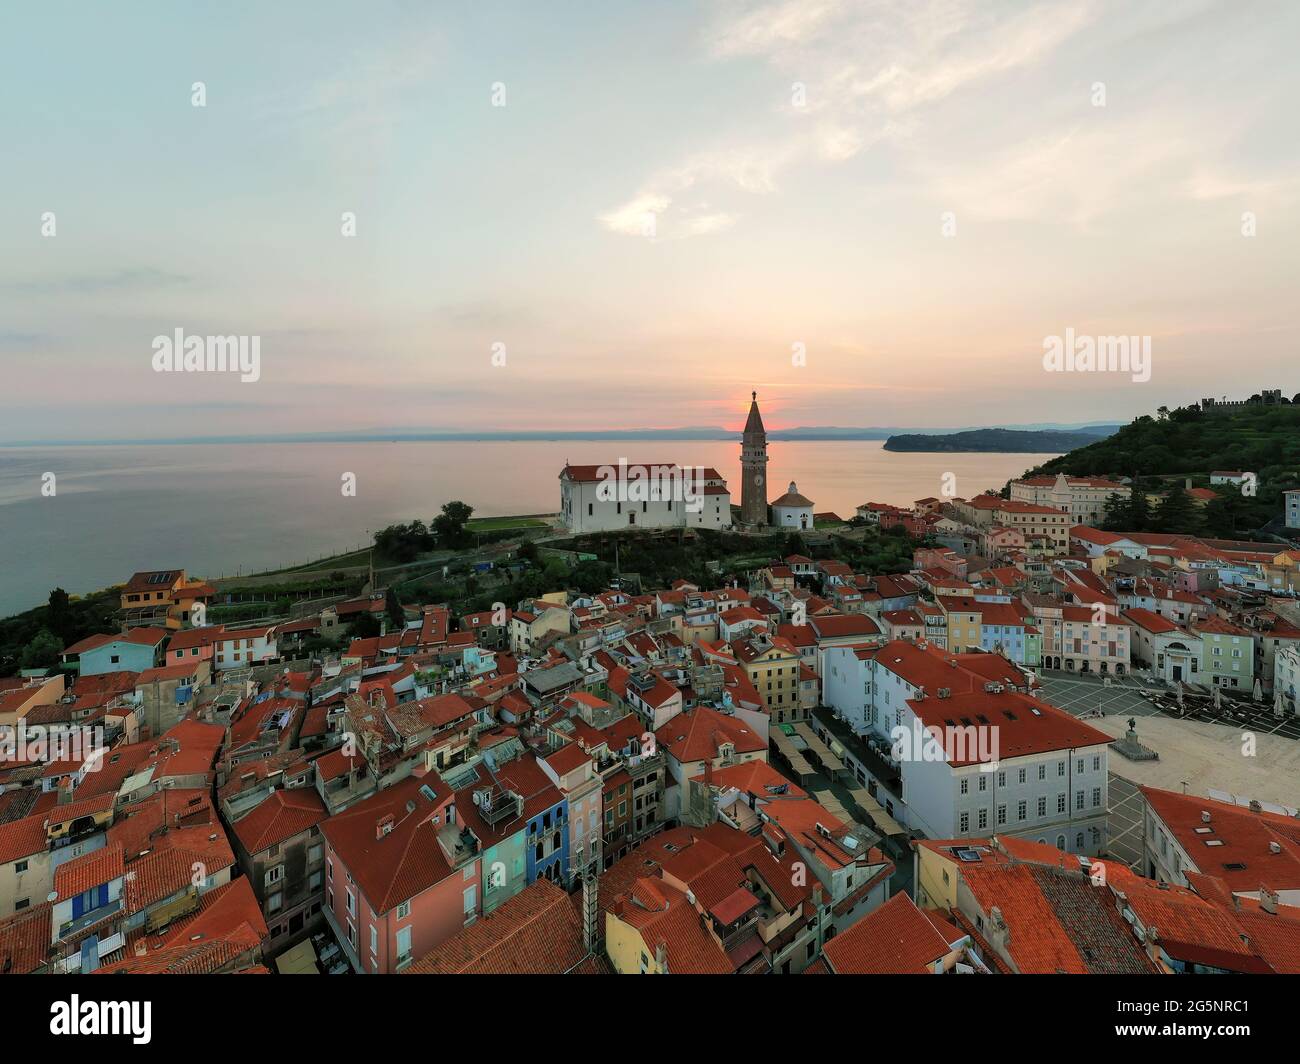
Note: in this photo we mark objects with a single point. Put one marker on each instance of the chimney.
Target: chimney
(384, 825)
(999, 935)
(589, 913)
(1268, 900)
(661, 957)
(65, 791)
(1205, 816)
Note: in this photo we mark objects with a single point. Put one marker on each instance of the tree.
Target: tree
(449, 526)
(1228, 515)
(794, 544)
(393, 607)
(43, 651)
(59, 616)
(403, 543)
(1176, 512)
(366, 626)
(591, 577)
(1139, 510)
(1118, 512)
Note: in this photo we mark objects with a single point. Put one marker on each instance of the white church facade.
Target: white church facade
(625, 495)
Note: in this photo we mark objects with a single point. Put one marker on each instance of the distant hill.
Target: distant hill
(1005, 441)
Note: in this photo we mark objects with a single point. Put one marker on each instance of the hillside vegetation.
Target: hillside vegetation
(1174, 445)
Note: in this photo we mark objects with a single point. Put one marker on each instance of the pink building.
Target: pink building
(401, 874)
(194, 644)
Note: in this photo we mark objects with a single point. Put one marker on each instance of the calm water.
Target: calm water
(220, 509)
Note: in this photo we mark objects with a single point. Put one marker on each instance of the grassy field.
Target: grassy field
(496, 524)
(337, 561)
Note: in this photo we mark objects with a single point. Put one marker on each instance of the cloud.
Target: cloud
(865, 70)
(654, 212)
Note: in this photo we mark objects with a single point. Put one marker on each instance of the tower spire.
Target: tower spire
(753, 468)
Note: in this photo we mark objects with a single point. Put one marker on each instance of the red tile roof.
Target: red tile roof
(280, 816)
(698, 734)
(537, 932)
(895, 939)
(394, 867)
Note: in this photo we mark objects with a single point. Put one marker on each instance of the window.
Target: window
(374, 939)
(1060, 768)
(1096, 796)
(352, 905)
(965, 785)
(984, 781)
(964, 821)
(404, 910)
(471, 899)
(1022, 809)
(1060, 808)
(1078, 799)
(1022, 775)
(1096, 763)
(274, 875)
(1042, 772)
(1042, 806)
(20, 866)
(274, 902)
(1002, 815)
(403, 945)
(983, 819)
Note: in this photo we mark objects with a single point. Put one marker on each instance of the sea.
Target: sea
(227, 509)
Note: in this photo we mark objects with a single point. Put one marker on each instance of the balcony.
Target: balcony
(90, 919)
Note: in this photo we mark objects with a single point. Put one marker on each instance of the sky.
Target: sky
(625, 215)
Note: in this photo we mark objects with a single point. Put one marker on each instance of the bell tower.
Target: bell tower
(753, 468)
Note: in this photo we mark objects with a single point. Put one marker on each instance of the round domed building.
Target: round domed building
(792, 510)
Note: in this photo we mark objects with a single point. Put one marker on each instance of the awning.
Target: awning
(792, 754)
(832, 763)
(884, 823)
(301, 960)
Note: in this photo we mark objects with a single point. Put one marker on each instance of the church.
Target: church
(791, 510)
(622, 495)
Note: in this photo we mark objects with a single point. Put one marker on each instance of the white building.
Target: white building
(238, 648)
(1004, 762)
(1292, 509)
(1083, 497)
(622, 495)
(1170, 652)
(1236, 477)
(1286, 677)
(792, 510)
